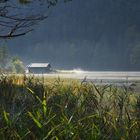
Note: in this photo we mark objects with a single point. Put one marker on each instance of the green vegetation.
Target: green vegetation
(17, 66)
(9, 63)
(34, 108)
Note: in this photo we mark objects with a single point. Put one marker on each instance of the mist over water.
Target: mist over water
(76, 71)
(98, 76)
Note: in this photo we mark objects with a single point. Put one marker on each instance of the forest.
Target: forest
(91, 35)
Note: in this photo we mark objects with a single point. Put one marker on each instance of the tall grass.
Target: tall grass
(33, 109)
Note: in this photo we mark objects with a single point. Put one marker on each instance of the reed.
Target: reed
(39, 109)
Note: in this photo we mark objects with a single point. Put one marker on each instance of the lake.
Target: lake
(98, 76)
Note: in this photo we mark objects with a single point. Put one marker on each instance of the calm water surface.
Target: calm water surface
(97, 76)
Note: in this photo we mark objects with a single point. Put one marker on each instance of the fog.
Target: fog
(121, 78)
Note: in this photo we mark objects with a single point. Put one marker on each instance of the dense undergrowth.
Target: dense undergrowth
(32, 109)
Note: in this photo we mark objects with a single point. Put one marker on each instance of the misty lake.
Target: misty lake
(98, 76)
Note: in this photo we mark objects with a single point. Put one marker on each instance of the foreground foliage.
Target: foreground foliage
(31, 108)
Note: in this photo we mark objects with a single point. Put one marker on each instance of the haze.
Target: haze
(91, 35)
